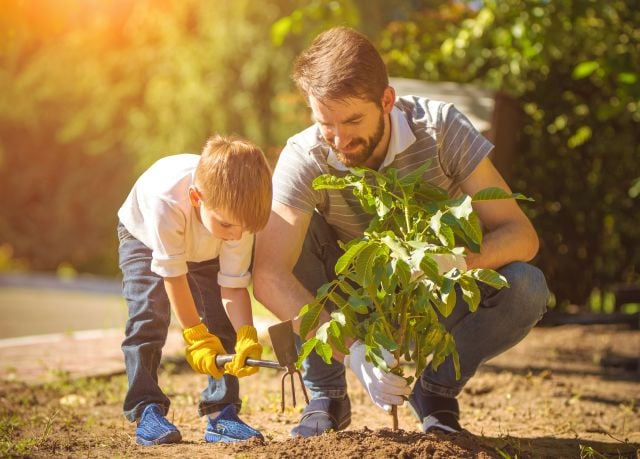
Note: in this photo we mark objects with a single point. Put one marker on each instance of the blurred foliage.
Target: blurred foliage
(94, 92)
(574, 68)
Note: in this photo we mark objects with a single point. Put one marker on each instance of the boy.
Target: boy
(189, 221)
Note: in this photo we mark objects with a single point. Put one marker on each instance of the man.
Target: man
(359, 122)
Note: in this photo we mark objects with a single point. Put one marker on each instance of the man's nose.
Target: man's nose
(341, 138)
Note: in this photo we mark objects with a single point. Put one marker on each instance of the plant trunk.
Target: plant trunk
(394, 416)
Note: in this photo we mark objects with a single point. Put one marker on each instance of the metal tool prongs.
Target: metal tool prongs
(283, 341)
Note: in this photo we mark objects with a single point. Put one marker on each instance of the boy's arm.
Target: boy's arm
(203, 346)
(181, 300)
(237, 304)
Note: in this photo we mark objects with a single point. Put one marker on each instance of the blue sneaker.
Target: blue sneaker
(154, 429)
(228, 427)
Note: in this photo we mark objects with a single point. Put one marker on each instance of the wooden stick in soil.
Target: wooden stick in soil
(394, 416)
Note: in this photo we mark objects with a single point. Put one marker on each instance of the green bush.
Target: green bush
(93, 92)
(574, 67)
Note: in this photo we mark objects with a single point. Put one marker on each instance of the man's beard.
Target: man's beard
(369, 146)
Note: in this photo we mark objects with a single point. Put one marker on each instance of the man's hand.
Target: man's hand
(247, 346)
(384, 388)
(202, 350)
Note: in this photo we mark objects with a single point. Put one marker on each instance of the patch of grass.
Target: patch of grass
(10, 444)
(589, 452)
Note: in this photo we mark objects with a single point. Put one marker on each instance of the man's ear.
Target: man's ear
(388, 99)
(194, 196)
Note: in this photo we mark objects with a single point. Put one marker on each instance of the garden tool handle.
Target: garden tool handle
(221, 359)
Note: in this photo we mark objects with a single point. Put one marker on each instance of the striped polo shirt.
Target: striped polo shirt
(421, 130)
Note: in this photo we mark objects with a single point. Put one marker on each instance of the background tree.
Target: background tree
(573, 67)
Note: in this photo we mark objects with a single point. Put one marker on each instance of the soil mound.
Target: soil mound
(367, 443)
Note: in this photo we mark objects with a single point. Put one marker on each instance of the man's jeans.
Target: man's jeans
(503, 318)
(148, 324)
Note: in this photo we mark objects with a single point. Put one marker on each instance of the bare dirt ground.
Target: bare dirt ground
(562, 392)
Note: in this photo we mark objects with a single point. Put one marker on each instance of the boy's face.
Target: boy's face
(218, 222)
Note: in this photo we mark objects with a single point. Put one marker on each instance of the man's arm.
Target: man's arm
(278, 247)
(509, 235)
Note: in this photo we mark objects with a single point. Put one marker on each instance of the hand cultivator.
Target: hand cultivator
(283, 341)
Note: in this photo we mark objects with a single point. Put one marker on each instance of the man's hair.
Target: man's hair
(233, 175)
(341, 63)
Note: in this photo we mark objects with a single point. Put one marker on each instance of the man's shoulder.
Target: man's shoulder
(306, 147)
(306, 140)
(423, 109)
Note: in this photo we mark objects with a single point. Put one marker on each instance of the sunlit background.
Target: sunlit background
(94, 91)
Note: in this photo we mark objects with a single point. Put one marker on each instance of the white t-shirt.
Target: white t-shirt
(159, 214)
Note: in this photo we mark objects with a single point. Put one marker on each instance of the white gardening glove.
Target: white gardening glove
(384, 388)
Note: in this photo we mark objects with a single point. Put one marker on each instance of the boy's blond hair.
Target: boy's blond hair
(234, 176)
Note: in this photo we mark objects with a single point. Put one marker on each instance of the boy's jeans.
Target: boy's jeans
(148, 324)
(503, 318)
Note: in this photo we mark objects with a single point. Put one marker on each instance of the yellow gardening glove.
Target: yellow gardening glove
(247, 346)
(202, 350)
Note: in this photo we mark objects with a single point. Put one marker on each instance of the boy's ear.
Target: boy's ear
(194, 196)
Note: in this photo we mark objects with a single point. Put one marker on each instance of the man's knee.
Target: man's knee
(527, 291)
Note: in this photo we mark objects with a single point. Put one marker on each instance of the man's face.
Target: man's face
(352, 127)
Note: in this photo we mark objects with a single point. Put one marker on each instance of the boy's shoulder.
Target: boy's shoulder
(176, 162)
(167, 173)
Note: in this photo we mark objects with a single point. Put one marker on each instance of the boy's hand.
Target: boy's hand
(202, 350)
(247, 346)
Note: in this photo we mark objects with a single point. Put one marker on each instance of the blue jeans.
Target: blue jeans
(503, 318)
(148, 325)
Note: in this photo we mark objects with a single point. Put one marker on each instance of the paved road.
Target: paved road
(49, 326)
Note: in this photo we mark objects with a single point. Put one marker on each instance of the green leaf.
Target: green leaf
(328, 181)
(337, 299)
(365, 261)
(584, 69)
(385, 341)
(306, 349)
(489, 277)
(324, 350)
(415, 176)
(448, 295)
(427, 192)
(634, 191)
(430, 268)
(470, 292)
(310, 319)
(375, 356)
(345, 260)
(397, 249)
(339, 317)
(359, 305)
(627, 78)
(493, 193)
(336, 337)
